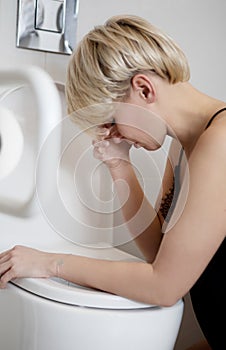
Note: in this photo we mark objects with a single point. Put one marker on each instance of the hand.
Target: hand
(111, 147)
(21, 262)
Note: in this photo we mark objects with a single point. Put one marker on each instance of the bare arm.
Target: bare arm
(140, 216)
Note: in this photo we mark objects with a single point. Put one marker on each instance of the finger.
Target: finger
(104, 131)
(4, 253)
(102, 150)
(98, 155)
(117, 140)
(4, 258)
(8, 276)
(96, 142)
(109, 131)
(100, 142)
(4, 268)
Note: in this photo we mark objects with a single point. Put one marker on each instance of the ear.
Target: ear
(142, 85)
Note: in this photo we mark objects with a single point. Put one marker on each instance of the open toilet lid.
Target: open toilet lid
(62, 291)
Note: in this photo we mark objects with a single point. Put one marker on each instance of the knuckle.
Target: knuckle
(11, 254)
(16, 248)
(13, 272)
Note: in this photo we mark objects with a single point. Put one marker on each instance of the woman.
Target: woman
(130, 63)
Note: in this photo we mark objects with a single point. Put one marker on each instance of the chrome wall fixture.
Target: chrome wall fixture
(47, 25)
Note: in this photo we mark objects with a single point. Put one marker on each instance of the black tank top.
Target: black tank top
(208, 295)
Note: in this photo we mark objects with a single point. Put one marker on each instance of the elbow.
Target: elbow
(161, 302)
(169, 301)
(158, 290)
(164, 293)
(166, 299)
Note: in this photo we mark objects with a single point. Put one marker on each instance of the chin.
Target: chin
(152, 147)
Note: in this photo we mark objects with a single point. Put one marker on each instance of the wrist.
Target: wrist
(119, 165)
(55, 264)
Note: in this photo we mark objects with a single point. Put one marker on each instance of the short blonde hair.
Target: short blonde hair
(101, 68)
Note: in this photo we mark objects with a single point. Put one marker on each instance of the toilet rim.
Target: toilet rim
(61, 291)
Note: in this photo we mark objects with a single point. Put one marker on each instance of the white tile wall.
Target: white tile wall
(198, 27)
(10, 55)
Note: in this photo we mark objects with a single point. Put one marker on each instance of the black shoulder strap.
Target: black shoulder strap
(177, 172)
(181, 156)
(212, 118)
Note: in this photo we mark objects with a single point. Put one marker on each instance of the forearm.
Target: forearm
(133, 280)
(139, 215)
(129, 279)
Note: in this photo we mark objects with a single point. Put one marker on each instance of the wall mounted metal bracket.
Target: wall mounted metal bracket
(47, 25)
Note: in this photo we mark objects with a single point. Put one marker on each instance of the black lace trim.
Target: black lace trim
(166, 202)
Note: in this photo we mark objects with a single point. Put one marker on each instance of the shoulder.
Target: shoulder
(203, 191)
(207, 163)
(211, 145)
(217, 129)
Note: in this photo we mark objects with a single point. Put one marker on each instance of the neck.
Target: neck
(187, 112)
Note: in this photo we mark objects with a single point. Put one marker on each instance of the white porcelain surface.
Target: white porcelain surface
(34, 323)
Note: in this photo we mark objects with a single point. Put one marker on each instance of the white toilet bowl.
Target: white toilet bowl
(50, 315)
(53, 314)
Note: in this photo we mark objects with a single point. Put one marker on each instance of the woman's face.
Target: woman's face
(140, 126)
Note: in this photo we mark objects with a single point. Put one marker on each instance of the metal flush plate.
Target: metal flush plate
(47, 25)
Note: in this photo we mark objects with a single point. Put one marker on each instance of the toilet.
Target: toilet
(54, 314)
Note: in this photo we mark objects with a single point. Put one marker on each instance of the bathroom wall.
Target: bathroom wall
(198, 27)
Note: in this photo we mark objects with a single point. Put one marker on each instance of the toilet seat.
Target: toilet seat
(62, 291)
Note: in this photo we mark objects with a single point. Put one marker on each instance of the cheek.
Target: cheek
(152, 134)
(126, 131)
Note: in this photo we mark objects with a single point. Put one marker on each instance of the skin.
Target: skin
(174, 260)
